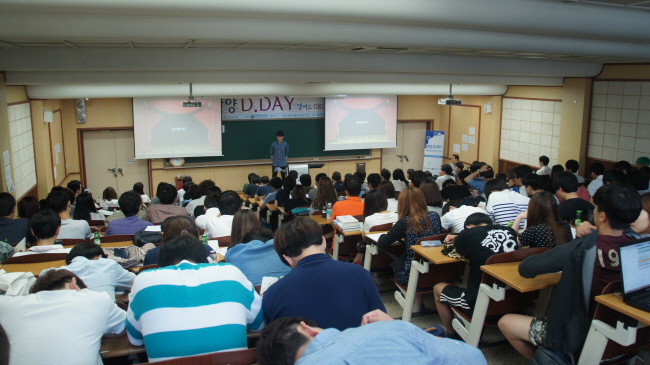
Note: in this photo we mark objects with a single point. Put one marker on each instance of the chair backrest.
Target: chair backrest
(95, 222)
(440, 237)
(37, 257)
(224, 241)
(240, 357)
(102, 229)
(342, 193)
(516, 255)
(72, 241)
(113, 209)
(360, 218)
(381, 227)
(116, 238)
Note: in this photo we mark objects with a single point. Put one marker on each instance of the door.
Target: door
(110, 161)
(409, 153)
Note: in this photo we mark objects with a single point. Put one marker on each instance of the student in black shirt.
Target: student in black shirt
(338, 184)
(298, 199)
(454, 191)
(566, 186)
(478, 241)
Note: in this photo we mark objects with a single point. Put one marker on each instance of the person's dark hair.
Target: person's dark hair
(187, 179)
(276, 182)
(204, 185)
(572, 165)
(130, 202)
(385, 174)
(462, 175)
(620, 203)
(264, 180)
(258, 234)
(409, 173)
(474, 167)
(27, 207)
(89, 250)
(488, 174)
(305, 180)
(280, 340)
(448, 182)
(336, 176)
(451, 203)
(623, 166)
(58, 200)
(250, 178)
(211, 200)
(556, 169)
(522, 170)
(229, 202)
(429, 174)
(431, 193)
(279, 134)
(293, 237)
(319, 176)
(476, 219)
(7, 204)
(417, 177)
(84, 206)
(398, 175)
(293, 173)
(4, 347)
(192, 192)
(567, 181)
(185, 247)
(543, 210)
(167, 194)
(289, 183)
(173, 227)
(160, 185)
(597, 168)
(374, 179)
(45, 223)
(361, 175)
(375, 201)
(637, 179)
(139, 187)
(501, 176)
(299, 192)
(352, 186)
(456, 157)
(55, 279)
(244, 221)
(447, 169)
(325, 194)
(613, 175)
(494, 185)
(545, 160)
(109, 194)
(75, 185)
(533, 180)
(348, 175)
(460, 165)
(388, 188)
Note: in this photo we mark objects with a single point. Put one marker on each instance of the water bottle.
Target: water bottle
(578, 218)
(329, 210)
(96, 239)
(204, 238)
(324, 212)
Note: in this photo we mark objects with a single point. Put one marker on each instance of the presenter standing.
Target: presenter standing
(279, 154)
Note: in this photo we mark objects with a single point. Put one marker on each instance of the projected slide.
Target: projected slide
(360, 122)
(164, 128)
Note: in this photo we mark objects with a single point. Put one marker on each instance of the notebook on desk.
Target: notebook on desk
(635, 273)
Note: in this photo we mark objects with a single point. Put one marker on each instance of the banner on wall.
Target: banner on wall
(434, 143)
(272, 107)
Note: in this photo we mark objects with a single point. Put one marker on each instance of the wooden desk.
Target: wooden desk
(371, 250)
(508, 274)
(34, 268)
(320, 220)
(422, 256)
(118, 346)
(110, 244)
(600, 332)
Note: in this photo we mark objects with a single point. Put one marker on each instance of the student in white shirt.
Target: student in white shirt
(376, 213)
(504, 205)
(573, 166)
(139, 187)
(456, 214)
(543, 166)
(45, 227)
(211, 210)
(399, 180)
(203, 187)
(389, 189)
(446, 173)
(228, 203)
(597, 171)
(59, 202)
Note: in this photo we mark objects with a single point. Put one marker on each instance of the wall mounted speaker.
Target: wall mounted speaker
(81, 118)
(80, 106)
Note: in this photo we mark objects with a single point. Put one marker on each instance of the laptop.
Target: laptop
(635, 273)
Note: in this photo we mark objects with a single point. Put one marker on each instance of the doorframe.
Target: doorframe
(82, 150)
(429, 127)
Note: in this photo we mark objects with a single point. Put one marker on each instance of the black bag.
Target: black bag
(549, 356)
(143, 237)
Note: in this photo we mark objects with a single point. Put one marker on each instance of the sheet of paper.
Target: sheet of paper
(57, 148)
(465, 138)
(55, 174)
(152, 229)
(8, 172)
(57, 158)
(10, 185)
(465, 146)
(472, 139)
(374, 236)
(456, 148)
(267, 281)
(5, 157)
(108, 212)
(21, 246)
(472, 131)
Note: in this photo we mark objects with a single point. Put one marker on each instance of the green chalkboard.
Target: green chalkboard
(251, 140)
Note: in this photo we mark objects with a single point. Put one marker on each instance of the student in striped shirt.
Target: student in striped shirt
(189, 307)
(503, 205)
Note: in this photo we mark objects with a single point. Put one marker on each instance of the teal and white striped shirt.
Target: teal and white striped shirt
(192, 309)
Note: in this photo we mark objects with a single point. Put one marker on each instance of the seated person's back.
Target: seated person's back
(503, 205)
(566, 185)
(228, 203)
(353, 204)
(172, 228)
(333, 293)
(13, 230)
(130, 203)
(159, 212)
(190, 307)
(60, 201)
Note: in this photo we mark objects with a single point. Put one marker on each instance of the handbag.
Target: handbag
(549, 356)
(143, 237)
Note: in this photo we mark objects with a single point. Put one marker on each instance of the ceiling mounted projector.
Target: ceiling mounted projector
(192, 102)
(449, 100)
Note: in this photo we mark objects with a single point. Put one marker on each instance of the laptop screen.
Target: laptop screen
(635, 266)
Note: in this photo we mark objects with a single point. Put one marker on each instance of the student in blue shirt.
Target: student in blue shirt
(279, 153)
(485, 172)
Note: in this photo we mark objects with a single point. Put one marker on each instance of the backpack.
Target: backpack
(143, 237)
(549, 356)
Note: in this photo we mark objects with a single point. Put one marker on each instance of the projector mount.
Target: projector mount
(192, 102)
(449, 100)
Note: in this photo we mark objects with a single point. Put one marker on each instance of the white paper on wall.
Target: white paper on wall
(465, 147)
(472, 139)
(472, 130)
(456, 148)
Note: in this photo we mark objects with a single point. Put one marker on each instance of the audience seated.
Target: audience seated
(311, 194)
(191, 194)
(457, 213)
(210, 208)
(503, 204)
(13, 230)
(573, 166)
(264, 188)
(251, 189)
(456, 191)
(415, 222)
(353, 204)
(543, 166)
(298, 199)
(566, 185)
(156, 200)
(399, 180)
(281, 191)
(327, 194)
(478, 241)
(60, 202)
(385, 174)
(88, 261)
(613, 175)
(203, 188)
(446, 173)
(109, 197)
(130, 203)
(172, 228)
(60, 322)
(642, 225)
(190, 307)
(555, 170)
(85, 208)
(338, 183)
(46, 225)
(27, 207)
(361, 175)
(458, 167)
(139, 187)
(228, 203)
(638, 180)
(159, 212)
(251, 249)
(379, 340)
(373, 180)
(432, 196)
(180, 193)
(587, 264)
(485, 172)
(333, 293)
(532, 184)
(200, 209)
(544, 228)
(520, 172)
(597, 170)
(388, 189)
(417, 178)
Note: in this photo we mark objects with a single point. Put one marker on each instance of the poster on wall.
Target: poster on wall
(434, 143)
